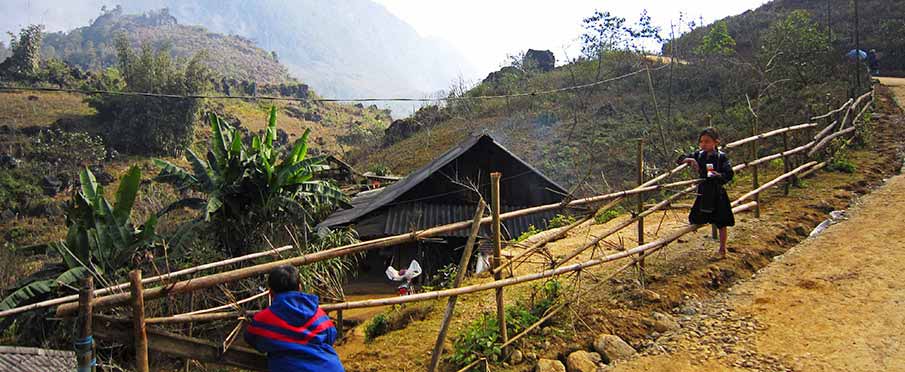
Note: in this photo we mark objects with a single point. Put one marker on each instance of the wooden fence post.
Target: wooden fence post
(84, 341)
(339, 324)
(641, 204)
(497, 256)
(786, 167)
(460, 275)
(140, 334)
(755, 183)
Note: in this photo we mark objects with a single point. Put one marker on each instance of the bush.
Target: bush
(68, 149)
(377, 326)
(560, 220)
(606, 216)
(527, 234)
(151, 125)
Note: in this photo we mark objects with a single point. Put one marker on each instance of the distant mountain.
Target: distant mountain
(92, 47)
(882, 26)
(342, 48)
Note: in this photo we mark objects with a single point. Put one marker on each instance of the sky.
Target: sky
(486, 31)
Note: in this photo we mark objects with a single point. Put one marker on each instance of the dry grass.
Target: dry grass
(42, 110)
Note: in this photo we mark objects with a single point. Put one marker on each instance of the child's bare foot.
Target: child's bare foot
(721, 253)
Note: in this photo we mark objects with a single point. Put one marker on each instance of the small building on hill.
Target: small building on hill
(437, 194)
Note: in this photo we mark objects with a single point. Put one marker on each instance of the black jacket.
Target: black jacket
(712, 205)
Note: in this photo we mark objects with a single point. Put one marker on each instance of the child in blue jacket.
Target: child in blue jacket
(294, 332)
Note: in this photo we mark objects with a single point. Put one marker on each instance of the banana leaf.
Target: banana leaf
(175, 175)
(125, 194)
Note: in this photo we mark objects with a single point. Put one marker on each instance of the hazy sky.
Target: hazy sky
(486, 31)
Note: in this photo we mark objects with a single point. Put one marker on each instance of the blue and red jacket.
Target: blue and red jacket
(296, 335)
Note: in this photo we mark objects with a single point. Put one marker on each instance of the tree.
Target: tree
(717, 42)
(799, 47)
(25, 61)
(152, 125)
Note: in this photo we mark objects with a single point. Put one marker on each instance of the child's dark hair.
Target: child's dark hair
(283, 279)
(710, 132)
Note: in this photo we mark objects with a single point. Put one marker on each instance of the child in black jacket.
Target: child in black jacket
(712, 204)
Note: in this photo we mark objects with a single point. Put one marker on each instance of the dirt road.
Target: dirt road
(833, 303)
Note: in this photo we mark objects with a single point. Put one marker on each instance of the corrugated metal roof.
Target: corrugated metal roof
(369, 203)
(29, 359)
(418, 216)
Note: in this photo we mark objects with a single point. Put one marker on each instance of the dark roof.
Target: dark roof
(29, 359)
(370, 201)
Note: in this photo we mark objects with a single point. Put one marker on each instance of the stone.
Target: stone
(549, 365)
(101, 175)
(582, 361)
(542, 60)
(664, 323)
(516, 357)
(612, 347)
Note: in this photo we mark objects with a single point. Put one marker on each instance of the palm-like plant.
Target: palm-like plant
(240, 180)
(101, 238)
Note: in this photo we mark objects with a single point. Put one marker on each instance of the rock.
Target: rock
(549, 365)
(612, 347)
(8, 161)
(516, 357)
(51, 185)
(542, 60)
(664, 323)
(582, 361)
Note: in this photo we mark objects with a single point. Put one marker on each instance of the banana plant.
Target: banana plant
(101, 238)
(236, 177)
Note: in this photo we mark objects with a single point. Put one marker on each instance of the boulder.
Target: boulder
(582, 361)
(101, 175)
(8, 161)
(612, 347)
(549, 365)
(663, 322)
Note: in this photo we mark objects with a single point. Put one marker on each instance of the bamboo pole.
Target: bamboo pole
(826, 140)
(497, 247)
(247, 272)
(460, 275)
(66, 308)
(834, 112)
(84, 340)
(640, 206)
(754, 183)
(769, 134)
(785, 163)
(812, 170)
(153, 279)
(612, 230)
(757, 191)
(826, 130)
(138, 322)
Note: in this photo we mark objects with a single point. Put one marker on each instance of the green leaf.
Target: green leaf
(35, 290)
(299, 149)
(89, 185)
(271, 131)
(193, 203)
(125, 194)
(201, 170)
(213, 205)
(305, 167)
(175, 175)
(218, 143)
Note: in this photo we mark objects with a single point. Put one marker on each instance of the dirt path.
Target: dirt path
(833, 303)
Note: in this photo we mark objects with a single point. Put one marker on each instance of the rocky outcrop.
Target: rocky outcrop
(542, 60)
(426, 117)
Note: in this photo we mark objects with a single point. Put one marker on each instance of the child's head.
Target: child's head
(283, 279)
(709, 139)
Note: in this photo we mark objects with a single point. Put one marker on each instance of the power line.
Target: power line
(275, 98)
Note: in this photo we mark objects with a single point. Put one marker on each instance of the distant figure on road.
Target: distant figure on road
(712, 204)
(294, 331)
(873, 62)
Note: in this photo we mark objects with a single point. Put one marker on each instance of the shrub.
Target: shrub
(560, 220)
(606, 216)
(377, 326)
(151, 125)
(527, 234)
